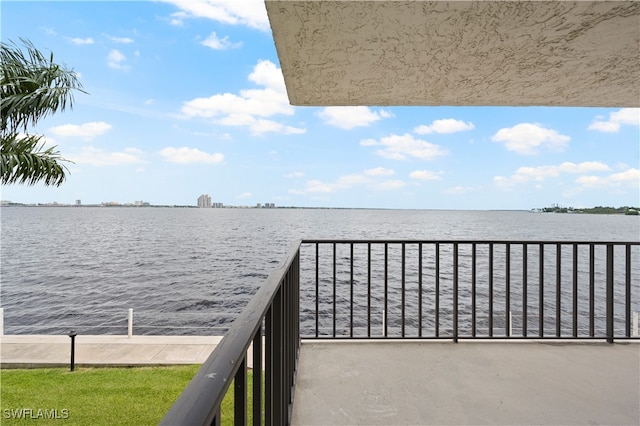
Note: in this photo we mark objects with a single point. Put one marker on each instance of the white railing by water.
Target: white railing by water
(40, 329)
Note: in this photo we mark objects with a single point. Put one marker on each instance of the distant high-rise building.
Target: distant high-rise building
(204, 201)
(78, 202)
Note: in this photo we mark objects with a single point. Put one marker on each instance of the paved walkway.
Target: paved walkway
(29, 351)
(469, 383)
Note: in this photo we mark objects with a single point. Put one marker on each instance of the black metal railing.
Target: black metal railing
(332, 289)
(271, 317)
(361, 289)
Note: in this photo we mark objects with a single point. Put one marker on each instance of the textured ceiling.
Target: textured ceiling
(560, 53)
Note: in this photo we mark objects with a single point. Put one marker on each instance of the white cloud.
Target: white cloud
(348, 181)
(447, 125)
(264, 102)
(99, 157)
(399, 147)
(369, 178)
(80, 41)
(263, 126)
(528, 138)
(629, 177)
(294, 175)
(259, 126)
(315, 186)
(116, 59)
(185, 155)
(540, 173)
(216, 43)
(244, 195)
(390, 184)
(251, 13)
(347, 117)
(458, 190)
(425, 175)
(87, 131)
(267, 74)
(628, 116)
(379, 171)
(121, 40)
(245, 109)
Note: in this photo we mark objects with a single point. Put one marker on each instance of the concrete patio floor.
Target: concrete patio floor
(469, 383)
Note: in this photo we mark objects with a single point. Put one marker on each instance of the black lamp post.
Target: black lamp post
(73, 349)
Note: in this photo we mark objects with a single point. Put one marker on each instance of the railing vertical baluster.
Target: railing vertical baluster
(386, 287)
(278, 385)
(610, 293)
(437, 290)
(558, 289)
(403, 288)
(455, 292)
(287, 324)
(296, 301)
(473, 289)
(575, 290)
(507, 302)
(369, 289)
(240, 394)
(317, 288)
(592, 285)
(525, 291)
(268, 368)
(257, 378)
(334, 290)
(628, 290)
(351, 292)
(490, 289)
(295, 331)
(216, 419)
(420, 290)
(541, 291)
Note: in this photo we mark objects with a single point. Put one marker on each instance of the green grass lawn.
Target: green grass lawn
(96, 396)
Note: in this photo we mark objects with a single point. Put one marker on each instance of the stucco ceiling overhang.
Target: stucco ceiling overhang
(473, 53)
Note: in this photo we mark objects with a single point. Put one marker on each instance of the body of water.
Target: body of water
(191, 271)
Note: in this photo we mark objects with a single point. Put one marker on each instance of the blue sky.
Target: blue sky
(187, 97)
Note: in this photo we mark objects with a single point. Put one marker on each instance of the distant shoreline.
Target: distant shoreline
(594, 210)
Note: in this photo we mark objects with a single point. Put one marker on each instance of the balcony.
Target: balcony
(365, 332)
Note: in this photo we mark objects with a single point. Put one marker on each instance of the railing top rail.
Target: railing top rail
(461, 241)
(198, 401)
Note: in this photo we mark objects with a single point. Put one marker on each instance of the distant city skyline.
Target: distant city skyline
(186, 98)
(204, 201)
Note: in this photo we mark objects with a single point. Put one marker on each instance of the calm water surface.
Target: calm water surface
(190, 271)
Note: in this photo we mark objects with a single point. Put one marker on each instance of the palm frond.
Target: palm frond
(32, 86)
(24, 160)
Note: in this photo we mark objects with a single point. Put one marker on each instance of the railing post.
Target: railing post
(130, 323)
(455, 292)
(610, 318)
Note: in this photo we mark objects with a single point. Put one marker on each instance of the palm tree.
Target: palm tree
(32, 87)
